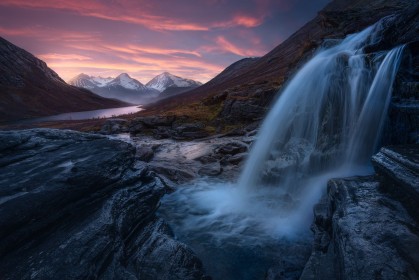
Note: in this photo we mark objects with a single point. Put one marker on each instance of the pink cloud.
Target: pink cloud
(56, 56)
(247, 21)
(224, 45)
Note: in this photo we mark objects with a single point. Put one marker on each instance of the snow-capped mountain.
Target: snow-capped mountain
(125, 81)
(89, 82)
(123, 87)
(166, 80)
(128, 89)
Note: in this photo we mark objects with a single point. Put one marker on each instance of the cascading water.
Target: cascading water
(326, 123)
(328, 119)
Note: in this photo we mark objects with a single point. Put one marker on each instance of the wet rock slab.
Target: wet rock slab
(398, 169)
(183, 161)
(368, 227)
(363, 233)
(79, 206)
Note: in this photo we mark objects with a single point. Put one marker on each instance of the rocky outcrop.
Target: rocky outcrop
(160, 127)
(80, 206)
(368, 227)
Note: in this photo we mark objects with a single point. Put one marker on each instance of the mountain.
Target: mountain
(131, 90)
(123, 87)
(89, 82)
(125, 81)
(166, 80)
(28, 88)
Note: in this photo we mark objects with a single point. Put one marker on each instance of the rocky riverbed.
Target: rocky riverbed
(77, 205)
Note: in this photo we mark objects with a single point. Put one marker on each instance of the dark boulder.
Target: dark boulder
(237, 158)
(212, 169)
(237, 111)
(145, 153)
(189, 131)
(232, 148)
(114, 126)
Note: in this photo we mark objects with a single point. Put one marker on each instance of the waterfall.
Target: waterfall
(328, 118)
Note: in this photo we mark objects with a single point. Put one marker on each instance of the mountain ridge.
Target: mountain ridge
(128, 89)
(165, 80)
(269, 72)
(29, 88)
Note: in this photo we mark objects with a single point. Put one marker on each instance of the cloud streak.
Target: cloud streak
(56, 56)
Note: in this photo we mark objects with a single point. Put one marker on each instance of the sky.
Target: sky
(193, 39)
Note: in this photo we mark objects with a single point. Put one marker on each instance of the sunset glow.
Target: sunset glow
(192, 39)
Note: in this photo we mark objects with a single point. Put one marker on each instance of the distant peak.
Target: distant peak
(165, 80)
(124, 75)
(80, 76)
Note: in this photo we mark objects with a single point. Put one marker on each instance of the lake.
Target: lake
(85, 115)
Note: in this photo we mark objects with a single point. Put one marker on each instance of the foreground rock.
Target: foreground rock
(179, 162)
(78, 206)
(368, 227)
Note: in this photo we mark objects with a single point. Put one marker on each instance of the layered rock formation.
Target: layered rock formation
(368, 227)
(81, 206)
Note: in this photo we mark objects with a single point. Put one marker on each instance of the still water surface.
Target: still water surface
(85, 115)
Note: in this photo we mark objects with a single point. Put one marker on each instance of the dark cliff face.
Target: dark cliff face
(28, 88)
(80, 206)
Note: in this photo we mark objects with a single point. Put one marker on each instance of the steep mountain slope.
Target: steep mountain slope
(123, 87)
(28, 88)
(166, 80)
(171, 91)
(258, 80)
